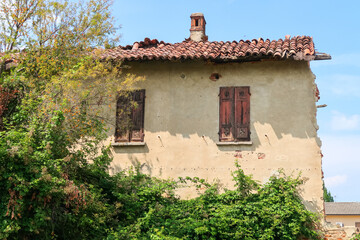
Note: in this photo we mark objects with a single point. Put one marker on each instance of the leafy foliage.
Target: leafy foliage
(327, 195)
(6, 97)
(52, 192)
(272, 211)
(53, 168)
(356, 237)
(56, 25)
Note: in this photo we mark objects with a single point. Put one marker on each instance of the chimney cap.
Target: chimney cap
(197, 15)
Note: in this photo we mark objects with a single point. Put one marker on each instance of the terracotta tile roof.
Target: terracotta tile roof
(342, 208)
(297, 48)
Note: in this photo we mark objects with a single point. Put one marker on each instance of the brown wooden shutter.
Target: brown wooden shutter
(123, 110)
(137, 128)
(226, 129)
(242, 114)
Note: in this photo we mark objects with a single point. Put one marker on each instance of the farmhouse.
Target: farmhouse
(343, 213)
(204, 104)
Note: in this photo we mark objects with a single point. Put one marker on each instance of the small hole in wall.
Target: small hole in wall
(182, 76)
(215, 76)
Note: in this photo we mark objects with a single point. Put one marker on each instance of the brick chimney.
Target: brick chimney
(197, 30)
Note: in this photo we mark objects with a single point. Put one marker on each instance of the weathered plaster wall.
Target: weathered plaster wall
(347, 220)
(182, 123)
(196, 35)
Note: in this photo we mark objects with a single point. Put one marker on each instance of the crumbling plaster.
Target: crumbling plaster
(182, 123)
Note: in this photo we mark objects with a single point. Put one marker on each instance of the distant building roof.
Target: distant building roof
(342, 208)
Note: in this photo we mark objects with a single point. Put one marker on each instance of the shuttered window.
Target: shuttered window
(130, 116)
(234, 114)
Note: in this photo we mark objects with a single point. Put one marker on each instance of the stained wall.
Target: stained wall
(182, 123)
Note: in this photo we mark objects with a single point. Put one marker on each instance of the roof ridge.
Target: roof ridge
(147, 42)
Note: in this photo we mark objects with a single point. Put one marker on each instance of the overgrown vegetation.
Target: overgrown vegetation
(54, 179)
(356, 237)
(51, 193)
(272, 211)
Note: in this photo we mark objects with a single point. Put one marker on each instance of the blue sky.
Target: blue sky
(335, 27)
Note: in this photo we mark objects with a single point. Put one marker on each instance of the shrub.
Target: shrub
(272, 211)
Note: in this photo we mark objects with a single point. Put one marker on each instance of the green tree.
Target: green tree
(327, 194)
(58, 67)
(53, 167)
(71, 25)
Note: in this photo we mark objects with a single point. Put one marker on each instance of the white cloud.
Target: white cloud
(345, 85)
(340, 154)
(335, 181)
(341, 158)
(340, 121)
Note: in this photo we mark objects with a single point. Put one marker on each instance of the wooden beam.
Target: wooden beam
(322, 56)
(321, 106)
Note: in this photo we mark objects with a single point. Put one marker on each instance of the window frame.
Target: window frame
(130, 107)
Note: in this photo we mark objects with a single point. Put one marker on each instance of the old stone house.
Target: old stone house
(204, 104)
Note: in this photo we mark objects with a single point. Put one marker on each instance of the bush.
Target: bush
(272, 211)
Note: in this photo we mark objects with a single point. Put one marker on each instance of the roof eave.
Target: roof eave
(250, 58)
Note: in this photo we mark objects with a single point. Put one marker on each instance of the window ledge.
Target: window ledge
(127, 144)
(234, 143)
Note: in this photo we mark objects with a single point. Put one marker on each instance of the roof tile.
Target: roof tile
(342, 208)
(298, 48)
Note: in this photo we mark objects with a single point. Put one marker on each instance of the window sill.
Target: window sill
(234, 143)
(127, 144)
